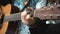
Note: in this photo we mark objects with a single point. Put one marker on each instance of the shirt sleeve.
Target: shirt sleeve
(19, 3)
(41, 3)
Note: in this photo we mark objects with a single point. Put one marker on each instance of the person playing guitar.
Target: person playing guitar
(7, 8)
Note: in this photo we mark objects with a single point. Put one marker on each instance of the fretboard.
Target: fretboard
(13, 17)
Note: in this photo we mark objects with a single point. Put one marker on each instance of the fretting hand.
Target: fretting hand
(26, 18)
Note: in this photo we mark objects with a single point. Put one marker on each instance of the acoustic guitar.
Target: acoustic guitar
(8, 26)
(44, 13)
(6, 13)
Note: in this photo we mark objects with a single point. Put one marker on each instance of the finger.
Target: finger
(28, 16)
(23, 13)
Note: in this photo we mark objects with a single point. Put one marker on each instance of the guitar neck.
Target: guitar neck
(13, 17)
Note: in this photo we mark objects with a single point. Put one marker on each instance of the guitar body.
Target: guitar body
(12, 28)
(9, 27)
